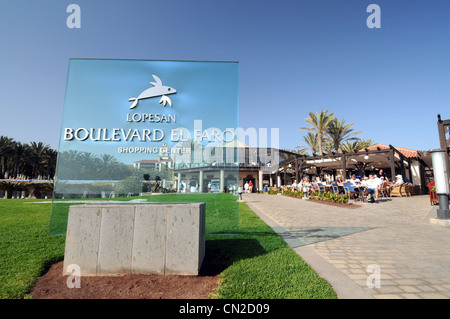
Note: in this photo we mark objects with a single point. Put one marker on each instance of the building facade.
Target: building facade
(255, 165)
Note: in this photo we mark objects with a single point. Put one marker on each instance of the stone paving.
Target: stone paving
(393, 236)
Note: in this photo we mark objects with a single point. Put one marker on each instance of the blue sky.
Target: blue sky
(294, 57)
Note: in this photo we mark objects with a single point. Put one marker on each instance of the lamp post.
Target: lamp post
(279, 181)
(440, 172)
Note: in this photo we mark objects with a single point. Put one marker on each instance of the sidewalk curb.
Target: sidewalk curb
(344, 287)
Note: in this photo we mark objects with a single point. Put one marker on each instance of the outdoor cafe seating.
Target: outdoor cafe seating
(321, 187)
(335, 188)
(402, 190)
(354, 192)
(385, 190)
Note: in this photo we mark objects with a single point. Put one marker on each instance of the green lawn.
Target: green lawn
(263, 266)
(26, 249)
(256, 262)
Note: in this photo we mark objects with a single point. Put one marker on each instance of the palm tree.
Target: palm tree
(350, 147)
(299, 150)
(311, 140)
(90, 166)
(339, 132)
(108, 165)
(319, 123)
(26, 160)
(37, 156)
(6, 150)
(366, 143)
(19, 157)
(355, 146)
(50, 162)
(327, 145)
(68, 164)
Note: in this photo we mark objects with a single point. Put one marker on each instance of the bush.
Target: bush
(131, 185)
(297, 194)
(329, 196)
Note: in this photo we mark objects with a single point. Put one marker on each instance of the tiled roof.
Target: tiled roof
(409, 153)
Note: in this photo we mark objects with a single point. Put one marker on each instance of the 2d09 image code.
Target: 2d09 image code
(246, 308)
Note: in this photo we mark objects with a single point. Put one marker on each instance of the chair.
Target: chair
(385, 190)
(335, 188)
(398, 190)
(350, 190)
(321, 188)
(314, 187)
(406, 190)
(409, 188)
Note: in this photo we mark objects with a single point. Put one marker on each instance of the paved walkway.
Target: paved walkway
(393, 236)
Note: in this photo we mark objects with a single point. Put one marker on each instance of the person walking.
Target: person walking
(246, 186)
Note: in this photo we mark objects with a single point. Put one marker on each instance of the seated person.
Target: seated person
(294, 186)
(379, 181)
(355, 181)
(373, 186)
(399, 180)
(384, 186)
(306, 185)
(364, 181)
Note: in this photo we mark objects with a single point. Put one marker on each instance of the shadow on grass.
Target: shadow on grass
(221, 253)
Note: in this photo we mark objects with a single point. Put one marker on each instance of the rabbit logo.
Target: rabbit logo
(157, 89)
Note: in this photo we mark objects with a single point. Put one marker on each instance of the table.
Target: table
(361, 190)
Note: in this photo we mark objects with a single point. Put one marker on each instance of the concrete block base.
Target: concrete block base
(151, 238)
(440, 222)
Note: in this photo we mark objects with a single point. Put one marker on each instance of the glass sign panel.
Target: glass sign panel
(149, 131)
